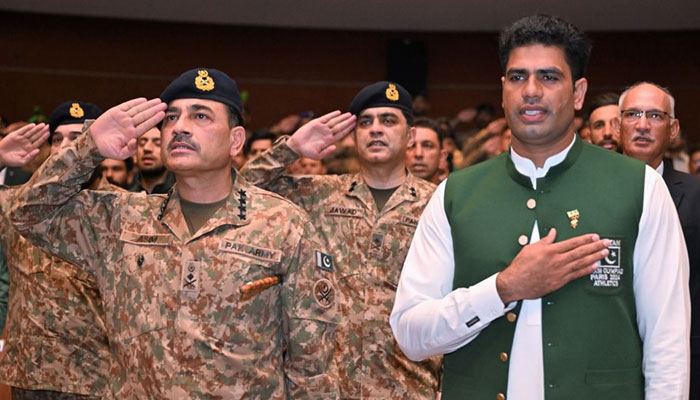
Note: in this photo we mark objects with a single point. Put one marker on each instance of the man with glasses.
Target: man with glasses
(648, 125)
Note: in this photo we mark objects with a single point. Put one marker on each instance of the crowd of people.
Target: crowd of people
(160, 250)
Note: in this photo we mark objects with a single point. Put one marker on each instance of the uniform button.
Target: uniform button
(503, 357)
(511, 317)
(531, 204)
(500, 396)
(522, 240)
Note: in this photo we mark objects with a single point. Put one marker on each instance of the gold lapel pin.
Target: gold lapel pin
(573, 216)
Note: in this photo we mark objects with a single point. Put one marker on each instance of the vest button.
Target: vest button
(549, 303)
(531, 204)
(500, 396)
(511, 317)
(503, 356)
(522, 240)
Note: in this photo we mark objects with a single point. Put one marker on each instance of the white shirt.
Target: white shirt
(429, 317)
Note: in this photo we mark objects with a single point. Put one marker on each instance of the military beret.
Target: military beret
(206, 84)
(382, 94)
(72, 112)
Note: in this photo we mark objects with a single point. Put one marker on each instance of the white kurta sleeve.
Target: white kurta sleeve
(662, 297)
(429, 318)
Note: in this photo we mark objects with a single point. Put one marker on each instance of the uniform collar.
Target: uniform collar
(233, 213)
(355, 186)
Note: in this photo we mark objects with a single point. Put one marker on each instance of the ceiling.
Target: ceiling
(390, 15)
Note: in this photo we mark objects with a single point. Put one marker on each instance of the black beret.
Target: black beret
(382, 94)
(72, 112)
(204, 83)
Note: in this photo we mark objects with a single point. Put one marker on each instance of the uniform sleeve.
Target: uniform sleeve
(4, 288)
(267, 171)
(52, 212)
(430, 318)
(662, 294)
(312, 313)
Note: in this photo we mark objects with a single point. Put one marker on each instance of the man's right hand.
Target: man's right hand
(543, 267)
(115, 132)
(316, 139)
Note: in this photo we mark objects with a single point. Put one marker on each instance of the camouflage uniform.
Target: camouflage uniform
(56, 339)
(175, 317)
(369, 248)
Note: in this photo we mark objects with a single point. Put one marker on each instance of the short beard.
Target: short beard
(153, 173)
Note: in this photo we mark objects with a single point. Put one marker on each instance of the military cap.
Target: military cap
(72, 112)
(382, 94)
(204, 83)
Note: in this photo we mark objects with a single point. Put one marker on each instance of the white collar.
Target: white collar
(526, 167)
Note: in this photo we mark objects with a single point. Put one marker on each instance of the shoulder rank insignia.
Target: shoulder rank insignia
(573, 216)
(76, 111)
(324, 261)
(324, 294)
(391, 93)
(203, 81)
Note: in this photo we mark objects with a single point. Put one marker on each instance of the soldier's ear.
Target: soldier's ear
(411, 136)
(237, 140)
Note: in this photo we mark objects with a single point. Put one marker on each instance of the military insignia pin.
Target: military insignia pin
(392, 93)
(203, 81)
(75, 111)
(573, 217)
(324, 261)
(324, 294)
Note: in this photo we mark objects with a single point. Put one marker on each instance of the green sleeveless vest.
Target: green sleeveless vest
(591, 345)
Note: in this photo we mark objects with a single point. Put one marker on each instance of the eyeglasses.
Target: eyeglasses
(653, 116)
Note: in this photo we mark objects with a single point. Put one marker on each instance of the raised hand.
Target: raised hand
(20, 146)
(115, 132)
(543, 267)
(316, 139)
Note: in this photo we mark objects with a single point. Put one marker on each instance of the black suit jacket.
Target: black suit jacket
(685, 191)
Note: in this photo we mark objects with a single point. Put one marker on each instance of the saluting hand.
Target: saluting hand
(543, 267)
(316, 139)
(22, 145)
(115, 132)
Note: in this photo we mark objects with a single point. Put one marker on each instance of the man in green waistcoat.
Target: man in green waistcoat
(556, 270)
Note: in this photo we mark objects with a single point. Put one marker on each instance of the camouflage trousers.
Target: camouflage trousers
(23, 394)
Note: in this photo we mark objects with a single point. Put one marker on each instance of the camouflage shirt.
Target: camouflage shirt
(369, 247)
(56, 337)
(175, 314)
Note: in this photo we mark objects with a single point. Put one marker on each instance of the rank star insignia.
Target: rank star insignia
(573, 218)
(76, 111)
(324, 294)
(203, 81)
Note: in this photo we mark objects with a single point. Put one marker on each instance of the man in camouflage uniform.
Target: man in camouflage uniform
(210, 291)
(57, 347)
(16, 149)
(367, 221)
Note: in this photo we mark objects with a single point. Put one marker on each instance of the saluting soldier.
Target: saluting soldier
(210, 291)
(57, 346)
(367, 220)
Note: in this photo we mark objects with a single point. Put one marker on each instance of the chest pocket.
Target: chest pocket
(140, 289)
(393, 247)
(220, 308)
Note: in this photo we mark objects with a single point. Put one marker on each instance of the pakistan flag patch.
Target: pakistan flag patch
(324, 261)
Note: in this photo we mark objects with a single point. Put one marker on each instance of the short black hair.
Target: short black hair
(546, 30)
(234, 118)
(430, 124)
(601, 100)
(258, 135)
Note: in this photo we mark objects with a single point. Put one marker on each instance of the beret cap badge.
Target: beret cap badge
(391, 93)
(75, 111)
(203, 81)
